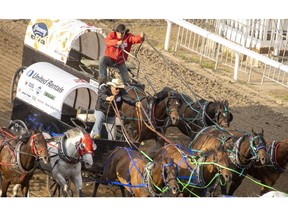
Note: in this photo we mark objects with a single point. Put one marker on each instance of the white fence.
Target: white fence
(226, 52)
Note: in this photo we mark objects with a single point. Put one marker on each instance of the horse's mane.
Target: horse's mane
(73, 132)
(164, 93)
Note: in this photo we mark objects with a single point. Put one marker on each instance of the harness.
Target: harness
(63, 154)
(16, 161)
(18, 166)
(273, 157)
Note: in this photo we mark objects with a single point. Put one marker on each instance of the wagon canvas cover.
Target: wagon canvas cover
(46, 87)
(57, 37)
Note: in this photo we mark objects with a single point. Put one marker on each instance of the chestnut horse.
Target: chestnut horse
(18, 158)
(156, 114)
(198, 170)
(196, 115)
(269, 174)
(130, 170)
(244, 149)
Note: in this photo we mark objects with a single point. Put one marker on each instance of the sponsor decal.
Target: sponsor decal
(52, 97)
(40, 101)
(49, 83)
(40, 29)
(80, 81)
(51, 107)
(30, 73)
(31, 86)
(25, 93)
(38, 90)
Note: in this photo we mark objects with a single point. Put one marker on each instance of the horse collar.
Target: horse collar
(203, 114)
(18, 164)
(272, 152)
(236, 151)
(147, 180)
(63, 154)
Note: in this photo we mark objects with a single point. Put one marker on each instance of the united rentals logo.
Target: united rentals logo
(44, 81)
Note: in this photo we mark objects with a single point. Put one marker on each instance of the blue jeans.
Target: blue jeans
(100, 118)
(105, 61)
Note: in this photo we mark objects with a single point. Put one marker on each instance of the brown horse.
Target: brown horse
(244, 149)
(198, 170)
(196, 115)
(128, 169)
(269, 174)
(18, 158)
(156, 114)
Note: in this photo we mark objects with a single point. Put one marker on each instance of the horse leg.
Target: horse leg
(77, 181)
(25, 190)
(96, 185)
(5, 186)
(123, 191)
(1, 185)
(63, 184)
(234, 185)
(15, 190)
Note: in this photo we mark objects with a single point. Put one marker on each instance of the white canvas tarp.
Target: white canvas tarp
(47, 87)
(57, 37)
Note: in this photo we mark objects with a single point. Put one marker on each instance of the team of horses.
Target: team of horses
(217, 155)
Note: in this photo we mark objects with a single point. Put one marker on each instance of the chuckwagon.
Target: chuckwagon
(56, 87)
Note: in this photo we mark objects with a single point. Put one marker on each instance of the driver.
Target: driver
(105, 106)
(114, 55)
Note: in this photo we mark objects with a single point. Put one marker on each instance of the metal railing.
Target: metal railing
(226, 52)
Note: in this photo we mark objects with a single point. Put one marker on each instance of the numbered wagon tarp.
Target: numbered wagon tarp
(47, 87)
(57, 37)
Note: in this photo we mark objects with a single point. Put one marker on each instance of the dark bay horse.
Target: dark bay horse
(155, 115)
(196, 115)
(244, 149)
(128, 169)
(270, 173)
(18, 158)
(198, 171)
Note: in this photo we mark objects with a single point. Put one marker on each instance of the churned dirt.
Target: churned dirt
(252, 104)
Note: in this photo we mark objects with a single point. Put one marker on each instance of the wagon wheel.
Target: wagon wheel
(55, 190)
(18, 126)
(14, 83)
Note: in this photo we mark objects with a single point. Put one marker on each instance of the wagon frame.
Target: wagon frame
(56, 87)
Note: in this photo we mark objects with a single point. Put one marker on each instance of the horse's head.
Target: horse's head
(170, 173)
(258, 146)
(223, 116)
(170, 100)
(223, 163)
(39, 146)
(219, 159)
(173, 105)
(84, 145)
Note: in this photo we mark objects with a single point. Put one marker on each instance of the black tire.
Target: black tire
(14, 83)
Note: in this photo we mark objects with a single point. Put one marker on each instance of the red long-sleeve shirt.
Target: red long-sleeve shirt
(114, 51)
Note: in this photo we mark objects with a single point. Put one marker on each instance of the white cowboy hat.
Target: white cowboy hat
(117, 83)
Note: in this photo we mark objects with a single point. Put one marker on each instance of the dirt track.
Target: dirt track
(252, 105)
